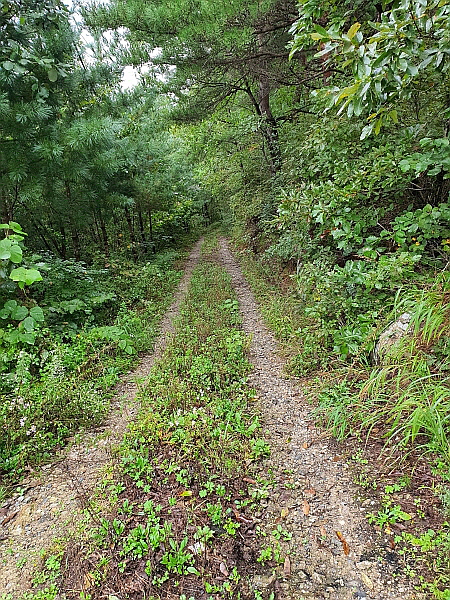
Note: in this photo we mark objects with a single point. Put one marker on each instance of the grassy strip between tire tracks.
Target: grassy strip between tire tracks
(177, 519)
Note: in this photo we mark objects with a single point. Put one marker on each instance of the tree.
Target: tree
(383, 64)
(212, 53)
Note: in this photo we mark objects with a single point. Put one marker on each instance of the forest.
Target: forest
(314, 134)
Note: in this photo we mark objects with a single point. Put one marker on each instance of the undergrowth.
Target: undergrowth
(96, 323)
(397, 396)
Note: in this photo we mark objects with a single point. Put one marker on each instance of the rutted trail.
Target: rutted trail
(48, 506)
(313, 486)
(333, 553)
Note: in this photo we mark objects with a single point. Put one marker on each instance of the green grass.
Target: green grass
(404, 402)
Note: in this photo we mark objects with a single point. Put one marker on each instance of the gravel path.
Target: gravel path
(335, 554)
(48, 505)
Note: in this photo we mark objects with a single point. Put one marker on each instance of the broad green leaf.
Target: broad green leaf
(28, 324)
(27, 337)
(52, 75)
(321, 30)
(10, 305)
(16, 254)
(37, 313)
(394, 116)
(10, 250)
(8, 65)
(347, 91)
(5, 249)
(378, 125)
(12, 337)
(19, 313)
(25, 276)
(381, 59)
(16, 228)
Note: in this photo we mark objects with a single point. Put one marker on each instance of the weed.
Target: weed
(390, 513)
(189, 447)
(177, 560)
(281, 533)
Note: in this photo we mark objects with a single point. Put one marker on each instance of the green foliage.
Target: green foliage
(57, 374)
(410, 43)
(413, 231)
(408, 395)
(190, 450)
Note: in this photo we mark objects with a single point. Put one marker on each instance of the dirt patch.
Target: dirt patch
(48, 504)
(333, 553)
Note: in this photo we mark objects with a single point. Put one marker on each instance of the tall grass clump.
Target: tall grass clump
(411, 387)
(406, 394)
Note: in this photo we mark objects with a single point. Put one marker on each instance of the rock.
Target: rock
(262, 582)
(396, 330)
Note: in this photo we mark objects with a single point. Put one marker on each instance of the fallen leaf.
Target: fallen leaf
(305, 445)
(185, 494)
(284, 512)
(89, 581)
(345, 546)
(310, 493)
(10, 517)
(337, 458)
(287, 566)
(240, 518)
(223, 569)
(367, 581)
(197, 548)
(306, 507)
(248, 480)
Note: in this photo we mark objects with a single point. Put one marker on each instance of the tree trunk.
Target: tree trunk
(142, 231)
(269, 125)
(63, 249)
(150, 220)
(104, 233)
(75, 242)
(131, 231)
(6, 207)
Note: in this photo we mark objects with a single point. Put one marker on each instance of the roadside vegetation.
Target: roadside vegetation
(316, 132)
(68, 333)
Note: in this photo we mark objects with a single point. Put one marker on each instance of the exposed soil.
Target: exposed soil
(333, 553)
(49, 502)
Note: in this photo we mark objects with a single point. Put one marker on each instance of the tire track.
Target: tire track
(334, 554)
